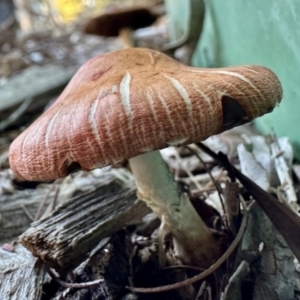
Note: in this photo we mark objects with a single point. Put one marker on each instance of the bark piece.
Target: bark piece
(19, 209)
(21, 275)
(64, 239)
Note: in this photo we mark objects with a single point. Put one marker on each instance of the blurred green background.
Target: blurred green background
(252, 32)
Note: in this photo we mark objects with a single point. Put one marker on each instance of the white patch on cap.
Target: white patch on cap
(166, 108)
(240, 76)
(151, 58)
(151, 104)
(92, 120)
(249, 69)
(233, 74)
(205, 97)
(183, 93)
(125, 93)
(146, 150)
(177, 142)
(114, 89)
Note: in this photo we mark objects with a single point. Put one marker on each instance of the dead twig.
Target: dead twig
(284, 174)
(188, 172)
(233, 289)
(201, 291)
(38, 214)
(81, 285)
(54, 201)
(27, 213)
(219, 190)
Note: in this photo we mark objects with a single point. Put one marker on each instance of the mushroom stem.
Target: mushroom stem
(193, 240)
(126, 36)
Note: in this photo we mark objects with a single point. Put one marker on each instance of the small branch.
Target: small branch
(212, 179)
(284, 175)
(81, 285)
(40, 209)
(188, 172)
(27, 213)
(64, 239)
(233, 289)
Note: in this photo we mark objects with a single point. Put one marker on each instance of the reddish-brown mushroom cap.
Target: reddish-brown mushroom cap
(129, 102)
(110, 24)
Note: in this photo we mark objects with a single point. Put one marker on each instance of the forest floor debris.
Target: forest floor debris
(109, 253)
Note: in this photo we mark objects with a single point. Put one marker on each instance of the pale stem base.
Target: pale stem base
(193, 240)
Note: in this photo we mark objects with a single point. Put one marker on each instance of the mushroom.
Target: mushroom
(120, 22)
(129, 104)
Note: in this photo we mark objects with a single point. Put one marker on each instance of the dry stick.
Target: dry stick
(205, 190)
(212, 178)
(202, 289)
(104, 242)
(209, 291)
(188, 172)
(54, 201)
(217, 178)
(27, 213)
(284, 175)
(207, 272)
(208, 171)
(56, 188)
(81, 285)
(43, 203)
(16, 114)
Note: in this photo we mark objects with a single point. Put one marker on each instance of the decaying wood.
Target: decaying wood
(275, 261)
(22, 276)
(63, 239)
(284, 219)
(272, 262)
(109, 267)
(21, 207)
(275, 276)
